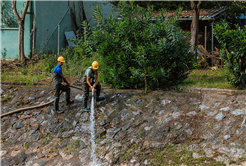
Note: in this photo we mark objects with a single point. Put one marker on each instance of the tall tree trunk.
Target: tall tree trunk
(21, 21)
(195, 24)
(194, 28)
(21, 42)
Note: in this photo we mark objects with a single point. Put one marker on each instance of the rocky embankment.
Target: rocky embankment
(132, 128)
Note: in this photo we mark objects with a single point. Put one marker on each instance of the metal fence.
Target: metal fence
(7, 18)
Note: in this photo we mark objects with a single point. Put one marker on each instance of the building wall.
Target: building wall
(9, 36)
(47, 21)
(105, 8)
(48, 15)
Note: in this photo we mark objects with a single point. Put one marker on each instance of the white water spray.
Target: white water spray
(92, 130)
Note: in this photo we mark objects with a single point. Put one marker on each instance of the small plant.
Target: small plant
(126, 156)
(51, 150)
(26, 145)
(27, 130)
(62, 130)
(178, 89)
(4, 53)
(24, 72)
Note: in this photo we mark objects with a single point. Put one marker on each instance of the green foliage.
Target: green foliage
(138, 51)
(7, 16)
(4, 53)
(233, 52)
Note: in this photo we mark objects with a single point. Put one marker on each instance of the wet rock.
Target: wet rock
(209, 152)
(1, 91)
(4, 130)
(19, 158)
(79, 97)
(42, 163)
(138, 102)
(126, 127)
(212, 113)
(191, 148)
(196, 155)
(217, 104)
(109, 112)
(161, 112)
(3, 123)
(40, 155)
(166, 120)
(58, 127)
(225, 109)
(102, 122)
(136, 113)
(13, 120)
(202, 107)
(124, 115)
(207, 135)
(19, 124)
(36, 113)
(120, 135)
(63, 144)
(189, 132)
(165, 102)
(174, 108)
(112, 131)
(35, 136)
(65, 156)
(221, 159)
(4, 119)
(175, 115)
(220, 116)
(84, 117)
(237, 112)
(115, 122)
(147, 128)
(179, 126)
(192, 113)
(3, 152)
(227, 137)
(74, 123)
(67, 134)
(85, 128)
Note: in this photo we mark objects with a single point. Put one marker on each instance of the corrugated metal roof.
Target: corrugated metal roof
(204, 14)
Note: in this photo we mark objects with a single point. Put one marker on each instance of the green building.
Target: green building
(45, 16)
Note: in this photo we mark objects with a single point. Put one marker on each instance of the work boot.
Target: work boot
(57, 109)
(99, 98)
(85, 107)
(70, 102)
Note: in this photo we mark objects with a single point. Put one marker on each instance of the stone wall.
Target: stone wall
(132, 128)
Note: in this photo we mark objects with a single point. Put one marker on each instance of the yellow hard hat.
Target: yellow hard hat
(61, 59)
(95, 65)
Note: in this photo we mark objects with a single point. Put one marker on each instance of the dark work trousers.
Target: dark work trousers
(58, 88)
(86, 87)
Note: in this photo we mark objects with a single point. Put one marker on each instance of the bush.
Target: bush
(233, 52)
(138, 52)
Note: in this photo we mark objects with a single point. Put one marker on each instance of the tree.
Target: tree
(139, 52)
(195, 23)
(21, 22)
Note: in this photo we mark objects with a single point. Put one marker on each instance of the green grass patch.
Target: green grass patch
(42, 71)
(19, 77)
(169, 156)
(207, 78)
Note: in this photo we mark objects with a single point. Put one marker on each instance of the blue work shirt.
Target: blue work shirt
(58, 70)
